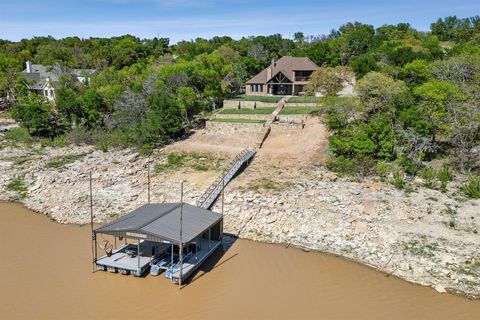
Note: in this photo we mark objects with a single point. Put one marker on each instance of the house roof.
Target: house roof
(286, 65)
(39, 73)
(162, 220)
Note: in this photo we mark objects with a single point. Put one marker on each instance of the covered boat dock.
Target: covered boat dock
(175, 237)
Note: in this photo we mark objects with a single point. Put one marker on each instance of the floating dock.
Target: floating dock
(132, 259)
(184, 233)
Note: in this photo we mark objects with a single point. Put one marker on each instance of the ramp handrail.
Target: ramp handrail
(209, 196)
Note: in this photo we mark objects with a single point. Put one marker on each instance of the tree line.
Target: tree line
(418, 91)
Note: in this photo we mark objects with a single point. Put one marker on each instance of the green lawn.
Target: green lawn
(305, 99)
(238, 120)
(248, 111)
(298, 110)
(272, 99)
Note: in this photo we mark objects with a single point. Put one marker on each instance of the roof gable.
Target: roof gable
(287, 65)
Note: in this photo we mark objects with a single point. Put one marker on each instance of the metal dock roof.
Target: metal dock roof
(162, 220)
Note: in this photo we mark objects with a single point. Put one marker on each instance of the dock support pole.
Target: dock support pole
(223, 201)
(148, 182)
(181, 233)
(171, 264)
(223, 193)
(94, 238)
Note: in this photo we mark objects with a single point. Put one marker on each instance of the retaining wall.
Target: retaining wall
(232, 127)
(231, 104)
(247, 104)
(243, 116)
(293, 118)
(259, 104)
(286, 127)
(306, 104)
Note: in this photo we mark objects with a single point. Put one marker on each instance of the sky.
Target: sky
(189, 19)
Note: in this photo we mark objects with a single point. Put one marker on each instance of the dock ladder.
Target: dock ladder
(211, 194)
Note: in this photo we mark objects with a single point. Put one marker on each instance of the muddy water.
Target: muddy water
(45, 273)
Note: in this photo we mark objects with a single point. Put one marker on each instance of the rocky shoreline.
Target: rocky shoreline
(425, 237)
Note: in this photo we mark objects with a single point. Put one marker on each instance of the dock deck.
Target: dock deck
(120, 261)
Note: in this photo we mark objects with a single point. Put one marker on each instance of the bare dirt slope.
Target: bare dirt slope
(286, 152)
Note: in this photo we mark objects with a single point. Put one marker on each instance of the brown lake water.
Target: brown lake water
(46, 273)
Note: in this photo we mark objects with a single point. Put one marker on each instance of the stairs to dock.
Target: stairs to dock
(211, 194)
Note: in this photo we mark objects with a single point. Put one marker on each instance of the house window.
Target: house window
(261, 87)
(45, 93)
(252, 88)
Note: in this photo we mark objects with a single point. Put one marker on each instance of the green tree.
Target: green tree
(37, 115)
(435, 99)
(187, 101)
(416, 72)
(355, 39)
(93, 108)
(364, 64)
(9, 71)
(163, 121)
(67, 105)
(377, 92)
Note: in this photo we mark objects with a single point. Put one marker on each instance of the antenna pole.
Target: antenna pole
(181, 231)
(148, 182)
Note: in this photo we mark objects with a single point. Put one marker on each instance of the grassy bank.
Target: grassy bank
(248, 111)
(272, 99)
(305, 99)
(298, 110)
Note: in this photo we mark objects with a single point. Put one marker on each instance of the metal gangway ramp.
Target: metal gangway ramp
(208, 198)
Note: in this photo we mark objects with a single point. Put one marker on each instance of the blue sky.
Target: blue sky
(188, 19)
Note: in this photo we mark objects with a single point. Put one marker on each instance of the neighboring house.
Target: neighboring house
(286, 76)
(43, 80)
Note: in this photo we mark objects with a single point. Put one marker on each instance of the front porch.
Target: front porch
(284, 89)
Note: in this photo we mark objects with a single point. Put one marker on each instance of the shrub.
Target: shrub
(174, 160)
(358, 166)
(444, 175)
(398, 180)
(19, 186)
(408, 165)
(383, 169)
(428, 174)
(341, 165)
(472, 187)
(59, 142)
(80, 136)
(19, 135)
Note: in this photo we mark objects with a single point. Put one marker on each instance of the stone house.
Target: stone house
(285, 76)
(43, 80)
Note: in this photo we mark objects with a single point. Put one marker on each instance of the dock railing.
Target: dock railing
(211, 194)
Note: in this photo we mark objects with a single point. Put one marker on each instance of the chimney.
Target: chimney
(29, 66)
(270, 69)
